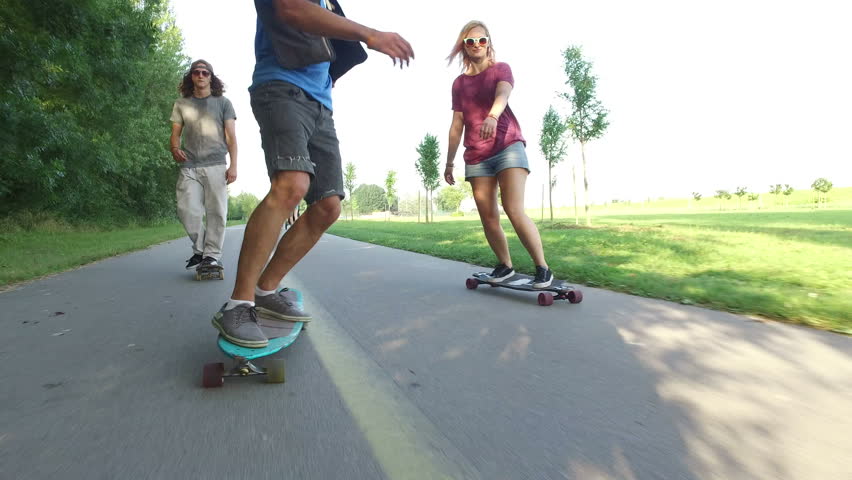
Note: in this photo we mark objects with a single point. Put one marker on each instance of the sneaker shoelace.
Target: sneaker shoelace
(280, 298)
(252, 313)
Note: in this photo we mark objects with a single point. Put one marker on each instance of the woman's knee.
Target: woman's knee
(514, 212)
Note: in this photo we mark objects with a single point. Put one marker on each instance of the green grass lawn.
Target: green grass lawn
(794, 266)
(51, 247)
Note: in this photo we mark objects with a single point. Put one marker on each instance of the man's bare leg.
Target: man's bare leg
(300, 239)
(262, 230)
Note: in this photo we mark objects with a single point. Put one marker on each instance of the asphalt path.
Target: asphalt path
(405, 373)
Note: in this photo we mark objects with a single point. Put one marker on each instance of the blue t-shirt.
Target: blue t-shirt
(313, 79)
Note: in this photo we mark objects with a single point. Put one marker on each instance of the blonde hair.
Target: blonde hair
(458, 48)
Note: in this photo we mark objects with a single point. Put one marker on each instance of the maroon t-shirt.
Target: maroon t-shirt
(473, 95)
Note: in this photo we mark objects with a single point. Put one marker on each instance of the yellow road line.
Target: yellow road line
(405, 443)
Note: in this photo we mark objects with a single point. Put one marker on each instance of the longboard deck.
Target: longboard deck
(557, 290)
(280, 335)
(520, 281)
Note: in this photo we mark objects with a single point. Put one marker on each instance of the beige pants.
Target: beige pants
(203, 192)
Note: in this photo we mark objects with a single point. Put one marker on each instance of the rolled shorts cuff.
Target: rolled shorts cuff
(290, 163)
(513, 156)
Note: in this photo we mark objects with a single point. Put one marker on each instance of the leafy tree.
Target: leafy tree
(409, 205)
(754, 197)
(349, 183)
(695, 196)
(588, 118)
(739, 193)
(776, 190)
(450, 197)
(788, 190)
(722, 195)
(369, 198)
(241, 206)
(88, 86)
(390, 189)
(553, 146)
(822, 187)
(427, 167)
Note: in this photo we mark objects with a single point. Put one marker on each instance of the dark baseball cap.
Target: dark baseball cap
(203, 64)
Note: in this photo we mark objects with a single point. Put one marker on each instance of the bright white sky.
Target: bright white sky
(702, 95)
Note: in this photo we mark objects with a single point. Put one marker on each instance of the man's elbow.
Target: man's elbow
(290, 11)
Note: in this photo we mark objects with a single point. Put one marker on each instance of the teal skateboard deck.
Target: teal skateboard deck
(281, 334)
(557, 290)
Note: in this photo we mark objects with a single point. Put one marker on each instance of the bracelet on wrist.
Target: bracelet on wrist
(495, 117)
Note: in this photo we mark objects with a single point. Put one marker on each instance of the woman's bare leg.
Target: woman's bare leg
(485, 196)
(512, 185)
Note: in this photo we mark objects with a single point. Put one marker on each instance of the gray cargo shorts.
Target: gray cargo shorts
(297, 134)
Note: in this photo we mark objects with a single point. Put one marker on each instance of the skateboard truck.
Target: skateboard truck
(244, 368)
(214, 373)
(281, 334)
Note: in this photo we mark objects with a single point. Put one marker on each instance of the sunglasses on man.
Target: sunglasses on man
(482, 41)
(200, 73)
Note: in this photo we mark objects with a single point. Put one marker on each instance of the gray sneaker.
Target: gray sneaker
(239, 326)
(281, 305)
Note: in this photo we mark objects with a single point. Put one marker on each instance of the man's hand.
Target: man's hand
(179, 155)
(392, 45)
(231, 174)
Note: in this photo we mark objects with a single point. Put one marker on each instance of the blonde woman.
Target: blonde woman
(494, 152)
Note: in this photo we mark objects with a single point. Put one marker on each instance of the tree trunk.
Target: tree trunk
(550, 189)
(574, 190)
(585, 185)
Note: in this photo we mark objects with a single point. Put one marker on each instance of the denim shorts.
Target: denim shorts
(515, 155)
(297, 134)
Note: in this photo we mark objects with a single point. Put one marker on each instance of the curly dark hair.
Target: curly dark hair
(186, 87)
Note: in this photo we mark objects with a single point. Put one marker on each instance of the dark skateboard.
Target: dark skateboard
(281, 334)
(558, 289)
(206, 272)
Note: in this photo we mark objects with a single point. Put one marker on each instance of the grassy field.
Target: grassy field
(47, 246)
(791, 265)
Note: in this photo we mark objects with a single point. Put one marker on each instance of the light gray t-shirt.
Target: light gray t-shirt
(203, 134)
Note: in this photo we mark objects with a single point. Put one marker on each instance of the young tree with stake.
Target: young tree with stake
(588, 118)
(349, 183)
(427, 166)
(553, 146)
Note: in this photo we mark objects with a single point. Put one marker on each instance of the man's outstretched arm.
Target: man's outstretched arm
(311, 18)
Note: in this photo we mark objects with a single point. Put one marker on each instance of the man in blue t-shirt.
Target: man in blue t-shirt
(291, 100)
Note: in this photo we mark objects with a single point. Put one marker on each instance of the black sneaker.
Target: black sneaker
(543, 277)
(193, 261)
(501, 272)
